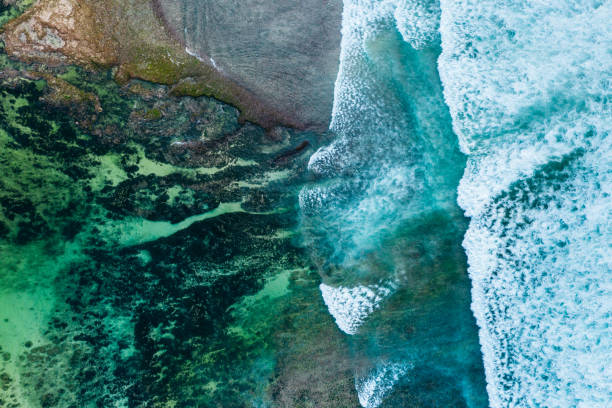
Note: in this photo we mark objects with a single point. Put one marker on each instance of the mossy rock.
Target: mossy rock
(162, 65)
(193, 87)
(153, 114)
(65, 94)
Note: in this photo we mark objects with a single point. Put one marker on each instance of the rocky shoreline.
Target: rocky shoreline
(286, 53)
(129, 37)
(148, 245)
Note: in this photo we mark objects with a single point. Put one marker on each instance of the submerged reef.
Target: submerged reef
(177, 230)
(147, 249)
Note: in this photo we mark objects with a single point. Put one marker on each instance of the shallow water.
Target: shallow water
(149, 261)
(382, 219)
(163, 253)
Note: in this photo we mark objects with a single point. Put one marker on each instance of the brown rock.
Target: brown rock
(60, 31)
(130, 35)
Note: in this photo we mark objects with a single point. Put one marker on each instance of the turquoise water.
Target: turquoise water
(382, 221)
(148, 261)
(528, 87)
(525, 96)
(447, 244)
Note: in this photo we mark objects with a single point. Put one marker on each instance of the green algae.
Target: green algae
(10, 107)
(27, 302)
(9, 12)
(274, 288)
(268, 178)
(36, 208)
(153, 114)
(282, 343)
(162, 266)
(192, 87)
(109, 171)
(162, 65)
(147, 166)
(250, 323)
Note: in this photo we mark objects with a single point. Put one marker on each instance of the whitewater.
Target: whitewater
(390, 174)
(526, 89)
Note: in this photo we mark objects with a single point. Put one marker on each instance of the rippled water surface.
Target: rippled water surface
(528, 86)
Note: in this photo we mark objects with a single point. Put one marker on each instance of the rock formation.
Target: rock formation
(130, 36)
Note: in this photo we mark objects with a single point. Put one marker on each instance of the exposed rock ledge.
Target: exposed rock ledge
(59, 31)
(128, 35)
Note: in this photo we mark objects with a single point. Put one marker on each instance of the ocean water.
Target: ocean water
(381, 219)
(528, 87)
(526, 99)
(456, 227)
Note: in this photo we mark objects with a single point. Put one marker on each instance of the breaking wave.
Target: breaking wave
(528, 87)
(381, 169)
(390, 173)
(373, 388)
(351, 306)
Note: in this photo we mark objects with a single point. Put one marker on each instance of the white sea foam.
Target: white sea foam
(418, 21)
(372, 389)
(350, 307)
(378, 172)
(194, 54)
(376, 161)
(528, 87)
(210, 60)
